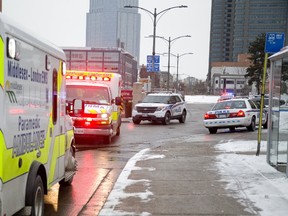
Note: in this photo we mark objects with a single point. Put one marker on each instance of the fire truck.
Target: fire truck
(100, 93)
(36, 136)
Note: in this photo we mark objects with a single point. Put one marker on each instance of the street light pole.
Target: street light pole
(155, 14)
(169, 53)
(178, 56)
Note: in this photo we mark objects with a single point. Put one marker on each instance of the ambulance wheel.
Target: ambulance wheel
(107, 139)
(118, 131)
(137, 122)
(38, 197)
(72, 164)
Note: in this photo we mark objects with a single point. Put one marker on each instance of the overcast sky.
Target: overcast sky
(63, 22)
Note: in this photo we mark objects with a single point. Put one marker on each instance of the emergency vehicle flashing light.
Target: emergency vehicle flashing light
(93, 78)
(85, 75)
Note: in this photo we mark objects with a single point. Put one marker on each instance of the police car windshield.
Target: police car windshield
(156, 99)
(92, 94)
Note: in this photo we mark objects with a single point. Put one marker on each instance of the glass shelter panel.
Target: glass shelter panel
(283, 115)
(278, 109)
(274, 112)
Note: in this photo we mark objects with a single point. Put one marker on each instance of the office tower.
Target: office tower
(110, 25)
(236, 23)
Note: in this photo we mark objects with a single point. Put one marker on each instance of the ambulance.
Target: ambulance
(100, 93)
(37, 147)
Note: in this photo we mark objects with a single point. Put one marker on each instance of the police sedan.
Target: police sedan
(234, 113)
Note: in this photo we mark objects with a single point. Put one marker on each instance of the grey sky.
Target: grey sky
(63, 22)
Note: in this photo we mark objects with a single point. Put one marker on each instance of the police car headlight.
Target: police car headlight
(11, 48)
(160, 108)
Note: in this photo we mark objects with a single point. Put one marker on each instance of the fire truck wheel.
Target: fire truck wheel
(38, 197)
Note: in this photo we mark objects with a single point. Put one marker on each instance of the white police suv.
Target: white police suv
(160, 107)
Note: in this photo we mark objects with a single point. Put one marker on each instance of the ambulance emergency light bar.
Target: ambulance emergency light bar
(88, 75)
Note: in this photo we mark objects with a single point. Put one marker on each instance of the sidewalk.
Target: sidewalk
(198, 178)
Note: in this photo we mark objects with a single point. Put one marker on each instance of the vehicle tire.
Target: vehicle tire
(212, 130)
(154, 122)
(38, 198)
(71, 166)
(182, 119)
(252, 126)
(232, 129)
(265, 125)
(107, 139)
(66, 183)
(136, 121)
(118, 131)
(166, 119)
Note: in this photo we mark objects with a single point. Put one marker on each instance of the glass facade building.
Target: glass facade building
(236, 23)
(110, 25)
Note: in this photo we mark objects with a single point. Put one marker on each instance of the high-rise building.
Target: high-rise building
(236, 23)
(110, 25)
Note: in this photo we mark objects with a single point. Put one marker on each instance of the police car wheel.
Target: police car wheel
(38, 197)
(182, 119)
(252, 126)
(166, 119)
(212, 130)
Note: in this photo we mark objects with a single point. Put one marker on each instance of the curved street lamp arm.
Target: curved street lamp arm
(180, 37)
(185, 54)
(131, 6)
(180, 6)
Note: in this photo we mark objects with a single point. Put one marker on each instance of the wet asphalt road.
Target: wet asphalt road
(100, 165)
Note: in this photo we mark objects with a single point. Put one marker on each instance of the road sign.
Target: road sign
(150, 63)
(274, 42)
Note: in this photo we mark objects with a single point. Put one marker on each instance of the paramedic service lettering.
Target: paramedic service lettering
(29, 138)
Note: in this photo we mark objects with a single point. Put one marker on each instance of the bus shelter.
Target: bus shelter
(277, 151)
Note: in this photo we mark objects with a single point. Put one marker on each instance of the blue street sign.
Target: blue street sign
(157, 59)
(274, 42)
(149, 67)
(150, 63)
(149, 59)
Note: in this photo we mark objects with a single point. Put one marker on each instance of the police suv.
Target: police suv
(160, 107)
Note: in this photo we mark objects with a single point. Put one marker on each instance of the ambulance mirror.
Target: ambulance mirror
(78, 106)
(118, 101)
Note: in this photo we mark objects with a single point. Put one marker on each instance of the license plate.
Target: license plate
(79, 131)
(222, 116)
(144, 115)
